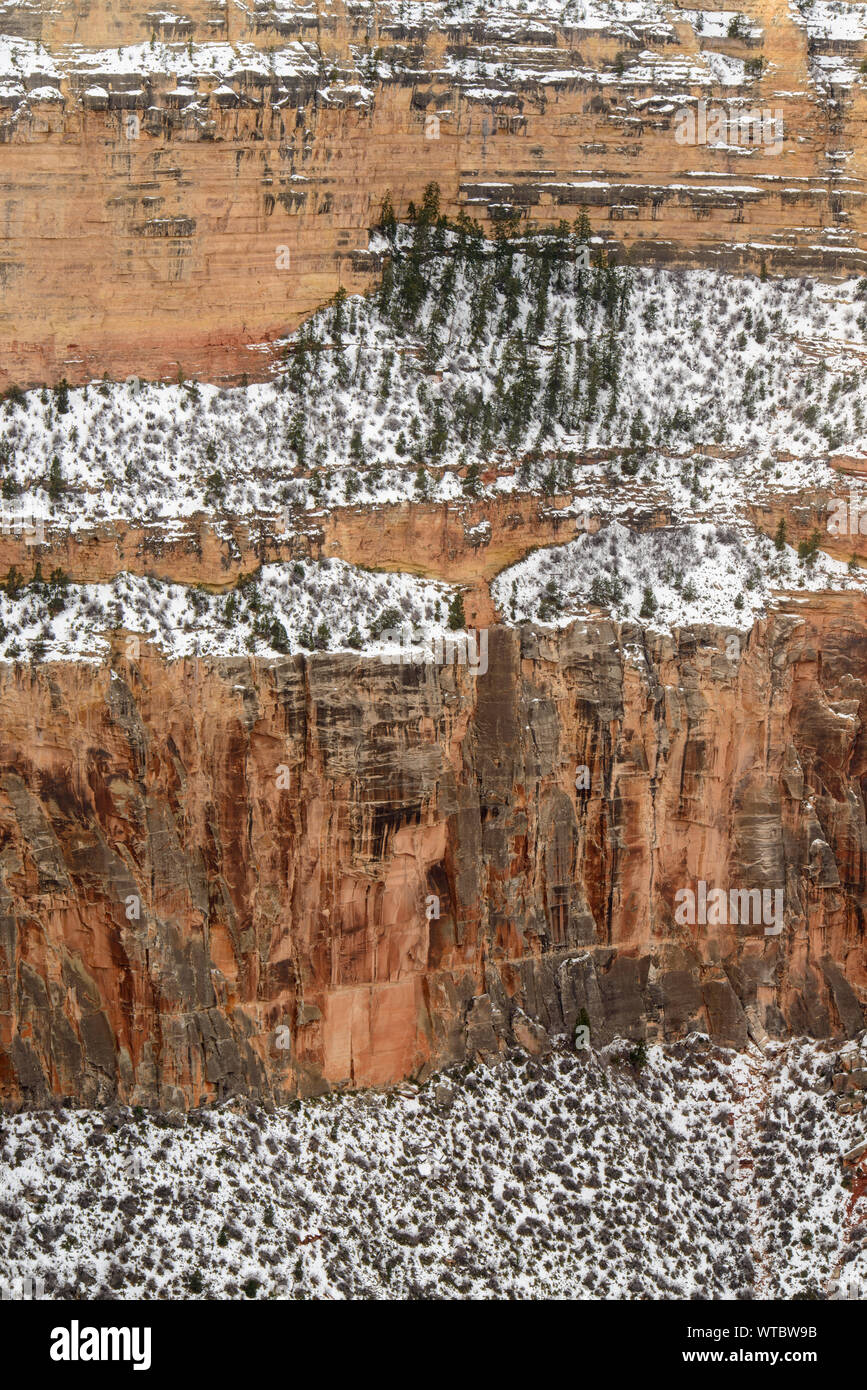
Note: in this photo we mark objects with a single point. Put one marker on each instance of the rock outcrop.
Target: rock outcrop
(849, 1083)
(281, 877)
(180, 188)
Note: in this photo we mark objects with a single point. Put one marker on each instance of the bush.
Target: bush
(808, 550)
(638, 1056)
(388, 618)
(215, 486)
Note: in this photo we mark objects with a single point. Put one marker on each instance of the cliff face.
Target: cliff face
(279, 876)
(226, 878)
(181, 186)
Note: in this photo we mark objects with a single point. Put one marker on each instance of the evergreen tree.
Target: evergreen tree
(470, 481)
(583, 229)
(55, 479)
(457, 619)
(552, 399)
(387, 219)
(61, 396)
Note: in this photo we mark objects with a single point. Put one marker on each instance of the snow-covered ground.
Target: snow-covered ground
(377, 411)
(702, 1174)
(473, 372)
(830, 19)
(325, 605)
(665, 578)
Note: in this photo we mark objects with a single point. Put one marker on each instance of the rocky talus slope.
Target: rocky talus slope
(693, 1173)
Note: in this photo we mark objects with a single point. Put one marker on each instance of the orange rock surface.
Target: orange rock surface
(163, 251)
(199, 862)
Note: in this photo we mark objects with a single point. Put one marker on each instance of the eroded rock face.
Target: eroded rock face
(171, 203)
(226, 878)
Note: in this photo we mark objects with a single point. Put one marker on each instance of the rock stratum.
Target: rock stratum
(241, 853)
(219, 878)
(181, 187)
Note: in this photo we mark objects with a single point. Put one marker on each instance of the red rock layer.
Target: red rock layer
(281, 828)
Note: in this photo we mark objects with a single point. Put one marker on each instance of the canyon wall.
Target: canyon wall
(278, 877)
(180, 188)
(224, 878)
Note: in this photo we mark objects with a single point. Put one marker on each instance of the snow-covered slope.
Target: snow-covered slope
(700, 1174)
(469, 359)
(665, 578)
(326, 605)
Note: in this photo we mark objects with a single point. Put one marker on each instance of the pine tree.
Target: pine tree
(55, 479)
(388, 223)
(551, 401)
(470, 482)
(583, 229)
(338, 316)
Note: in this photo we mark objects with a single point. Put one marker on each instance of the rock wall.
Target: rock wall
(848, 1080)
(223, 878)
(179, 191)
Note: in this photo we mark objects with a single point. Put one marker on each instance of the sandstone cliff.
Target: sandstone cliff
(218, 878)
(277, 876)
(179, 186)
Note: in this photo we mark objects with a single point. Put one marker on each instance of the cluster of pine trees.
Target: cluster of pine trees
(579, 381)
(547, 378)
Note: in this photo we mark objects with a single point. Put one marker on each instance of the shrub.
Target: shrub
(808, 550)
(388, 618)
(638, 1056)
